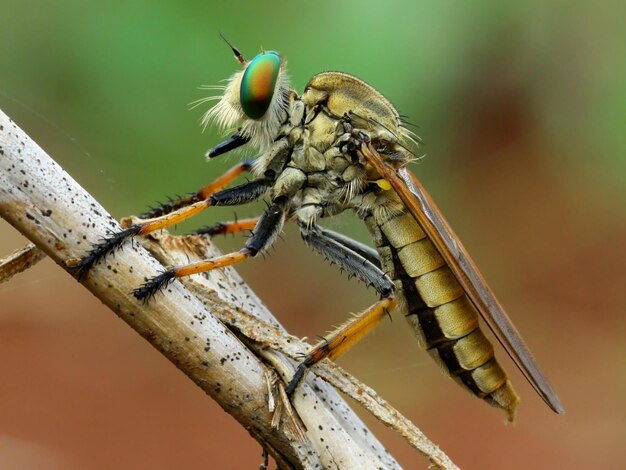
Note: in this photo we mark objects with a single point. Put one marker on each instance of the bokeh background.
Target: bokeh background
(522, 107)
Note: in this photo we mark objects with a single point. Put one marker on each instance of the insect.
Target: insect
(341, 145)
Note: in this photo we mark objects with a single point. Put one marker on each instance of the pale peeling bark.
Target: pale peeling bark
(20, 260)
(237, 366)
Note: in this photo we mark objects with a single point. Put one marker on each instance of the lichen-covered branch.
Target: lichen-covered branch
(46, 205)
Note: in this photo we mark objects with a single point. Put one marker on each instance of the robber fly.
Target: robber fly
(342, 145)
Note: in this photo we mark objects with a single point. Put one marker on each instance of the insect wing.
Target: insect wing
(423, 209)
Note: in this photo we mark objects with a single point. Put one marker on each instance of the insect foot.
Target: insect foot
(303, 367)
(100, 250)
(154, 285)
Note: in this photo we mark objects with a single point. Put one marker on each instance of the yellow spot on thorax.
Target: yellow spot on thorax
(383, 184)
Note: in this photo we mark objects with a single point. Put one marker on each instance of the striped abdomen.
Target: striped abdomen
(435, 305)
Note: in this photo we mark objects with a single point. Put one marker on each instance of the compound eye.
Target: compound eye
(257, 84)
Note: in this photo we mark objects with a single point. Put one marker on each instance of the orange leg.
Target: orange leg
(355, 260)
(210, 189)
(224, 180)
(213, 263)
(242, 194)
(266, 230)
(232, 227)
(344, 337)
(157, 283)
(172, 218)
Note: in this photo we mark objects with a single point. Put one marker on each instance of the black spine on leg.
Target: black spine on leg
(229, 144)
(352, 262)
(171, 205)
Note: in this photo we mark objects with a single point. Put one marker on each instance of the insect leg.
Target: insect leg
(201, 194)
(238, 195)
(229, 144)
(365, 251)
(265, 232)
(354, 329)
(236, 226)
(232, 227)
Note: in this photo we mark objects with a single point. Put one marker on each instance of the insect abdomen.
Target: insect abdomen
(442, 316)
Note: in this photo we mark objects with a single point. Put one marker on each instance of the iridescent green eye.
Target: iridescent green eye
(257, 84)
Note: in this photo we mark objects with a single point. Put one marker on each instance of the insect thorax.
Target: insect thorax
(315, 156)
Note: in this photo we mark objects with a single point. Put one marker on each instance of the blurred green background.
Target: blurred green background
(522, 108)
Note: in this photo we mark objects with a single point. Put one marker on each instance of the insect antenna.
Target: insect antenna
(238, 55)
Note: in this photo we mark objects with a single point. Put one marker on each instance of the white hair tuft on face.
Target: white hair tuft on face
(227, 114)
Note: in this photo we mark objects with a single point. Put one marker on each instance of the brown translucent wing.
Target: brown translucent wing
(422, 207)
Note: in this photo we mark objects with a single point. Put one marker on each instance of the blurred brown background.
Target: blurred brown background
(523, 110)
